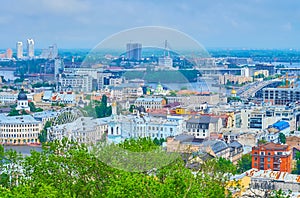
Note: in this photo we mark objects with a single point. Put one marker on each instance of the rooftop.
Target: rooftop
(24, 119)
(272, 146)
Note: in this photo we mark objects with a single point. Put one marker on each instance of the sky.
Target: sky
(262, 24)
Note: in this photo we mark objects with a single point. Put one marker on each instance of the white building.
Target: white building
(150, 103)
(75, 82)
(19, 129)
(22, 101)
(8, 98)
(165, 62)
(30, 48)
(45, 116)
(245, 72)
(133, 126)
(82, 130)
(19, 50)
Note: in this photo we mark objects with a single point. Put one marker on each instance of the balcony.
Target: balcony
(277, 162)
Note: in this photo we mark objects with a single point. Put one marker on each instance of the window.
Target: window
(262, 153)
(269, 153)
(269, 166)
(255, 159)
(255, 164)
(269, 159)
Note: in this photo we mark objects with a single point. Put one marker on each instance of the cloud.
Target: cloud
(211, 22)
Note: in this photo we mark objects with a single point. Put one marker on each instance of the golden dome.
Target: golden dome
(233, 91)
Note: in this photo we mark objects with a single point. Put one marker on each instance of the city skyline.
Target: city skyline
(83, 24)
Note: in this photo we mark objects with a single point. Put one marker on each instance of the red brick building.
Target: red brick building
(276, 157)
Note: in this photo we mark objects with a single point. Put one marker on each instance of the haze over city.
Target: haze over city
(83, 24)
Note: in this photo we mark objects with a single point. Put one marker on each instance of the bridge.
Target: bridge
(213, 71)
(294, 70)
(250, 90)
(8, 68)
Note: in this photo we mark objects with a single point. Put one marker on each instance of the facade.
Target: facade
(194, 99)
(9, 53)
(82, 130)
(74, 82)
(245, 71)
(236, 151)
(165, 62)
(150, 103)
(45, 116)
(8, 98)
(126, 91)
(134, 51)
(19, 50)
(264, 72)
(201, 126)
(50, 53)
(19, 130)
(263, 66)
(30, 48)
(233, 79)
(272, 156)
(145, 126)
(268, 180)
(257, 118)
(281, 96)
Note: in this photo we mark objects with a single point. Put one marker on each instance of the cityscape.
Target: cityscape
(149, 111)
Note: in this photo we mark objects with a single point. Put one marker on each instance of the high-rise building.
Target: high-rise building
(9, 53)
(50, 53)
(19, 49)
(30, 48)
(245, 72)
(134, 51)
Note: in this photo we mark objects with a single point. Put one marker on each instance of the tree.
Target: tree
(245, 163)
(297, 170)
(104, 100)
(282, 138)
(131, 108)
(13, 112)
(32, 106)
(43, 134)
(68, 169)
(262, 141)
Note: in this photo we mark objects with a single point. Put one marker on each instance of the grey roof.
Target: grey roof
(203, 119)
(184, 138)
(149, 99)
(216, 145)
(24, 119)
(47, 95)
(235, 144)
(45, 114)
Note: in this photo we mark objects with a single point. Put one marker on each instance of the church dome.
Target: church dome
(233, 91)
(22, 95)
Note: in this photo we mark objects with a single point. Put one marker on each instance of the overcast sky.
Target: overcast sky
(213, 23)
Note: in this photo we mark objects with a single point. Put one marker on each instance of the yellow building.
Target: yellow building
(264, 72)
(239, 184)
(19, 130)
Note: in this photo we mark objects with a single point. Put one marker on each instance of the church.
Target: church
(22, 101)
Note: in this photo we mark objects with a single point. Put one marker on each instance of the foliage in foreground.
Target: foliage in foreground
(67, 169)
